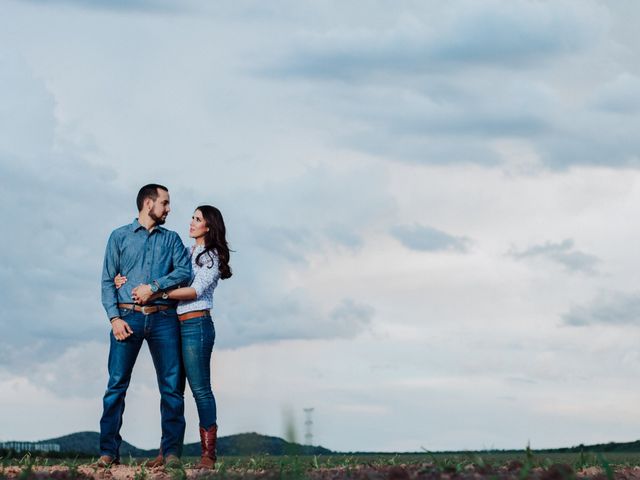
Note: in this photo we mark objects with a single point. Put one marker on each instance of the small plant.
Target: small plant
(221, 468)
(432, 458)
(72, 466)
(606, 467)
(26, 459)
(298, 468)
(582, 462)
(141, 474)
(26, 471)
(530, 456)
(178, 472)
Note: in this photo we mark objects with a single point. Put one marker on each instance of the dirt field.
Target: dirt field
(515, 470)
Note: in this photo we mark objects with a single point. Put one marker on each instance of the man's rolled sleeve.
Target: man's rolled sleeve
(110, 268)
(181, 273)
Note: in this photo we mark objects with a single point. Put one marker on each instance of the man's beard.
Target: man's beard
(157, 219)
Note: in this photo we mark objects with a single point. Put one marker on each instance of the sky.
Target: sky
(432, 209)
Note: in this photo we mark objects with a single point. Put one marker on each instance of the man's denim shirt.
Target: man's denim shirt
(143, 257)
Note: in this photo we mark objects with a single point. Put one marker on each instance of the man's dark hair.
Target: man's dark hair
(149, 191)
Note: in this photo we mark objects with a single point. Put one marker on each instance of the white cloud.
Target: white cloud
(458, 35)
(141, 6)
(613, 308)
(562, 253)
(426, 238)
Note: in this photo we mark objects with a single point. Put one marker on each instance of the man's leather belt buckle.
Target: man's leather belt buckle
(144, 309)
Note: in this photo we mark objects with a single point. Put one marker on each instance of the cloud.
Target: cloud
(289, 242)
(26, 118)
(615, 308)
(62, 214)
(294, 316)
(514, 35)
(436, 120)
(621, 95)
(444, 122)
(353, 317)
(401, 89)
(563, 253)
(278, 240)
(121, 5)
(54, 235)
(428, 239)
(317, 212)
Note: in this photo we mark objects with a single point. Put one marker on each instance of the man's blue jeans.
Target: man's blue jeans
(162, 333)
(198, 336)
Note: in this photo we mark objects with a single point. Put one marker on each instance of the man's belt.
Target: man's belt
(194, 314)
(145, 309)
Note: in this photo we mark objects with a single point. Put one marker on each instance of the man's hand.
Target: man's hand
(142, 294)
(121, 329)
(119, 280)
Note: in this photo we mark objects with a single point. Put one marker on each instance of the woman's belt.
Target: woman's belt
(194, 314)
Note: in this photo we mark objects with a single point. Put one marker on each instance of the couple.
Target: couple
(147, 273)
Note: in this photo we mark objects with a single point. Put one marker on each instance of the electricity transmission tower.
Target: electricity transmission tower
(308, 423)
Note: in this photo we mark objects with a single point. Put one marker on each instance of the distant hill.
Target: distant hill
(87, 443)
(254, 443)
(623, 447)
(242, 444)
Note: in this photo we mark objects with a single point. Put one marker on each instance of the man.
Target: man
(154, 260)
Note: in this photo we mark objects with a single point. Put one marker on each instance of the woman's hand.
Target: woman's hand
(135, 294)
(120, 280)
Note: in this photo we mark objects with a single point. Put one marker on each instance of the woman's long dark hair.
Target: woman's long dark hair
(214, 240)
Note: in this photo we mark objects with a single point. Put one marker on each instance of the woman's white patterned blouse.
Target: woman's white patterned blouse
(204, 280)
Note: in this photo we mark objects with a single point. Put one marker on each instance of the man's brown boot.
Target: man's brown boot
(106, 461)
(156, 462)
(208, 439)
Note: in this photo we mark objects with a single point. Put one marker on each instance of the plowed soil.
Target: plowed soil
(511, 471)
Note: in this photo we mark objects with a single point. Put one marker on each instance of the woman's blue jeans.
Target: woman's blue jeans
(198, 336)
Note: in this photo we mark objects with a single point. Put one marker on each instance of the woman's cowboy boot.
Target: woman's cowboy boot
(208, 443)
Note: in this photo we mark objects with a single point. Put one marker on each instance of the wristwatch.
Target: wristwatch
(155, 287)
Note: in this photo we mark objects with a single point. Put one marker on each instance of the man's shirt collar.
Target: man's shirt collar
(135, 226)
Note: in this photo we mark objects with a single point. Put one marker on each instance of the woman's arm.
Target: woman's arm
(183, 293)
(204, 278)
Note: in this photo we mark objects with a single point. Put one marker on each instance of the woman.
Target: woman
(210, 262)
